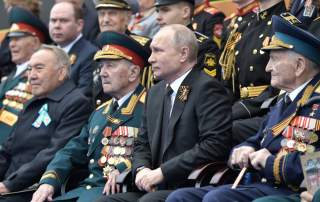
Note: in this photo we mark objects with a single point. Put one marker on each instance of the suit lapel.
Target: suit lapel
(178, 107)
(158, 103)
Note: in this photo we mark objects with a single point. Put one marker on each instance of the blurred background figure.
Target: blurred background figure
(144, 22)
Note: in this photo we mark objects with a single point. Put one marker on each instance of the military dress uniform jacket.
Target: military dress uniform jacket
(251, 79)
(43, 127)
(288, 133)
(198, 131)
(106, 140)
(14, 93)
(81, 58)
(208, 55)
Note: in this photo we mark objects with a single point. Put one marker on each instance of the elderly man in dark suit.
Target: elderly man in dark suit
(65, 27)
(187, 119)
(54, 115)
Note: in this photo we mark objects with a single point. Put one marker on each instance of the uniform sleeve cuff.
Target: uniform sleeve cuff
(270, 171)
(52, 182)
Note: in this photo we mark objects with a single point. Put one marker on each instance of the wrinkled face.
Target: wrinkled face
(111, 19)
(44, 75)
(22, 48)
(114, 76)
(169, 14)
(165, 57)
(63, 26)
(282, 69)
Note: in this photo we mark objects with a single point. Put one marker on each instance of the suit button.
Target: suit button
(88, 187)
(251, 68)
(91, 176)
(91, 161)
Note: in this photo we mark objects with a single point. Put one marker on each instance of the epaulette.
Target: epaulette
(141, 39)
(200, 37)
(143, 97)
(132, 103)
(104, 104)
(212, 10)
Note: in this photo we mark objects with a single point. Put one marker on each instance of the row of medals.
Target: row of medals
(301, 141)
(16, 97)
(116, 149)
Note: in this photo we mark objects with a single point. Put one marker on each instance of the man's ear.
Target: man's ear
(80, 23)
(186, 12)
(300, 66)
(185, 52)
(134, 72)
(62, 73)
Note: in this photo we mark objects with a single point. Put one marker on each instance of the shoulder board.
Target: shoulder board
(141, 39)
(104, 104)
(132, 103)
(143, 97)
(212, 10)
(232, 15)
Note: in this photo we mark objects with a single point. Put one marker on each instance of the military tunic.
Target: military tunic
(105, 141)
(14, 93)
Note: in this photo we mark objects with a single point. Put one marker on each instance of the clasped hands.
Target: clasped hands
(146, 179)
(246, 156)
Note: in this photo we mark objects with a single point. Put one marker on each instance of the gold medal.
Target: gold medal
(111, 161)
(302, 147)
(291, 144)
(122, 150)
(116, 150)
(313, 138)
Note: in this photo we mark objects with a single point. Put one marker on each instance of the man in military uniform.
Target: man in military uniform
(105, 142)
(115, 16)
(65, 28)
(290, 129)
(26, 34)
(208, 20)
(243, 64)
(181, 12)
(54, 115)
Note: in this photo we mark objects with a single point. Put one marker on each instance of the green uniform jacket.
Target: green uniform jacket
(119, 128)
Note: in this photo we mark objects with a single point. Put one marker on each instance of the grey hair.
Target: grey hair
(309, 63)
(62, 58)
(183, 36)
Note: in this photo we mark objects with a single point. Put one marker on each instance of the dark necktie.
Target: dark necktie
(165, 119)
(113, 107)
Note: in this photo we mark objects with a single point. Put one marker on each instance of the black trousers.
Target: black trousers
(245, 128)
(158, 196)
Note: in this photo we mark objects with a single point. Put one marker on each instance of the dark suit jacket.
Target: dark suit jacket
(199, 129)
(81, 69)
(26, 153)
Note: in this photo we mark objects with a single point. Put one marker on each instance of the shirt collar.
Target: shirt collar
(21, 68)
(295, 92)
(176, 83)
(68, 47)
(123, 99)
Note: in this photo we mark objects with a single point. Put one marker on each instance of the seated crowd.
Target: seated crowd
(175, 103)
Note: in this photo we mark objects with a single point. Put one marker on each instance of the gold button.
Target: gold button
(91, 161)
(91, 176)
(269, 22)
(240, 19)
(237, 52)
(260, 36)
(261, 52)
(88, 187)
(98, 102)
(251, 68)
(254, 51)
(238, 69)
(251, 84)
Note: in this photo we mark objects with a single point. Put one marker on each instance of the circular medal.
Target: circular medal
(302, 147)
(103, 159)
(122, 150)
(313, 138)
(284, 142)
(116, 150)
(104, 141)
(116, 140)
(111, 161)
(129, 141)
(123, 141)
(291, 143)
(310, 149)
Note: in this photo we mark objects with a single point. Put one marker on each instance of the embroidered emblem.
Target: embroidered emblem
(183, 93)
